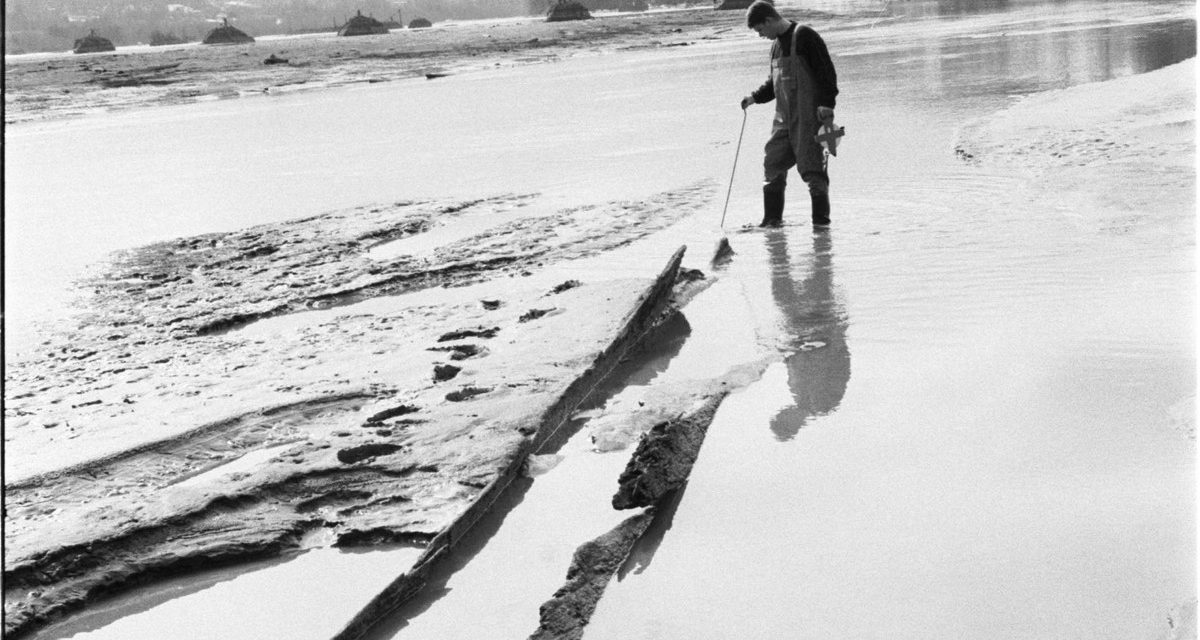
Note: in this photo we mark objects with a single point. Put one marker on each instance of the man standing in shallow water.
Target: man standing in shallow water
(803, 85)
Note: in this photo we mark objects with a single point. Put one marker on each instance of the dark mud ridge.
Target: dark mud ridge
(564, 616)
(658, 467)
(664, 458)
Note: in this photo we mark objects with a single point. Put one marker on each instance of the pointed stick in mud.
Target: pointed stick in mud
(723, 251)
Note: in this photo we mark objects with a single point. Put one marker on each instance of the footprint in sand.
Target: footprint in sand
(469, 333)
(462, 351)
(466, 393)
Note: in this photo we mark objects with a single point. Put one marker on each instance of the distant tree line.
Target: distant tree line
(54, 25)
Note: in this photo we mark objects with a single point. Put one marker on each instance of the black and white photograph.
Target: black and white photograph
(600, 320)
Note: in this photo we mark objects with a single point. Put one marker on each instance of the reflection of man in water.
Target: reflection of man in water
(819, 366)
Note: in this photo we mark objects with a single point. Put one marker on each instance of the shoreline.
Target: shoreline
(331, 421)
(51, 88)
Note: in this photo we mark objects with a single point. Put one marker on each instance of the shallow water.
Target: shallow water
(968, 430)
(1013, 477)
(309, 595)
(973, 434)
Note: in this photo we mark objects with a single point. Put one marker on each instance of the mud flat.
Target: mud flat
(239, 395)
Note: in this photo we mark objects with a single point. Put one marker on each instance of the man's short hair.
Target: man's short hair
(760, 12)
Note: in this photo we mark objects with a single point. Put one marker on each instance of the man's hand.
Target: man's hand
(747, 101)
(824, 114)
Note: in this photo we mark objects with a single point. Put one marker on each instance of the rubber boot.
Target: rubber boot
(772, 208)
(820, 209)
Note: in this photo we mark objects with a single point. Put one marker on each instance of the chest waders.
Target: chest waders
(791, 142)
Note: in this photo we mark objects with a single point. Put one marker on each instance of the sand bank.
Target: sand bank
(1109, 154)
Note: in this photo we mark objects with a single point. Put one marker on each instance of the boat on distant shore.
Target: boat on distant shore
(361, 25)
(92, 43)
(226, 34)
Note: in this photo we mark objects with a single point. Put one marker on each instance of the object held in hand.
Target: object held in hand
(829, 136)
